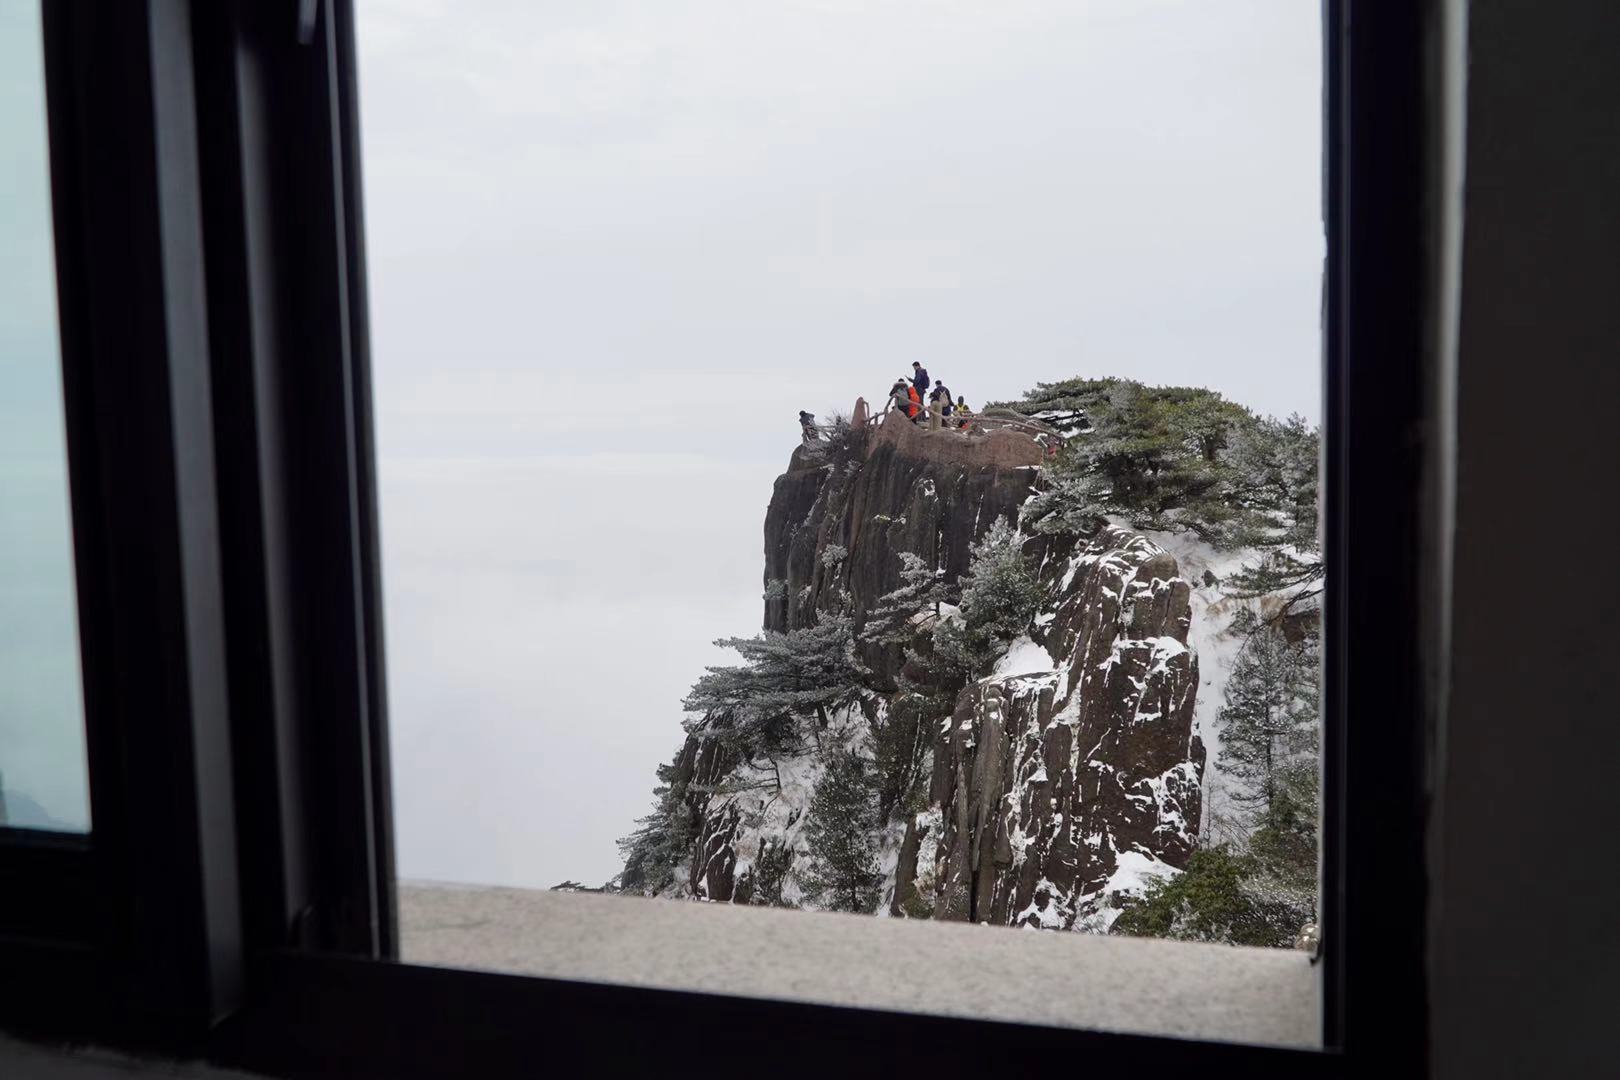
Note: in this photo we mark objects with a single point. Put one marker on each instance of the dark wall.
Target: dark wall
(1525, 905)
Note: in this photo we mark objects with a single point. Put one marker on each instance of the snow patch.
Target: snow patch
(1024, 657)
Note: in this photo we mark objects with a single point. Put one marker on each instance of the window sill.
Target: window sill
(1115, 984)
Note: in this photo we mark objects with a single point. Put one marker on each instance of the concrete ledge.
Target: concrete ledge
(1129, 985)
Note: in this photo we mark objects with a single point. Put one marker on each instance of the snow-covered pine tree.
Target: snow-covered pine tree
(842, 831)
(893, 617)
(1276, 462)
(1156, 455)
(925, 688)
(754, 706)
(1000, 595)
(1178, 459)
(1269, 722)
(771, 869)
(660, 840)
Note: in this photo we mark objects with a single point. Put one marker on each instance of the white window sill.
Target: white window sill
(1131, 985)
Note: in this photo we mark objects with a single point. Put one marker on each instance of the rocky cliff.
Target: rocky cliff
(1069, 776)
(1066, 777)
(838, 522)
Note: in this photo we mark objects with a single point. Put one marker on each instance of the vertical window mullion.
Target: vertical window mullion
(139, 427)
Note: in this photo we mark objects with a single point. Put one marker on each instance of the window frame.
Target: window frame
(211, 277)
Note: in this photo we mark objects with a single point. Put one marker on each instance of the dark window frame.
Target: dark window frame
(235, 897)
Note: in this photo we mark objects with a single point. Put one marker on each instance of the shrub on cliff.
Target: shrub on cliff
(1221, 897)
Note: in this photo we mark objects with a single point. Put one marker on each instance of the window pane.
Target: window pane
(43, 782)
(1045, 662)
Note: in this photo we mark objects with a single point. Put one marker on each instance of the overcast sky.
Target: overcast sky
(615, 246)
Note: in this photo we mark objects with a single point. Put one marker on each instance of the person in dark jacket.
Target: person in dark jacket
(946, 405)
(919, 378)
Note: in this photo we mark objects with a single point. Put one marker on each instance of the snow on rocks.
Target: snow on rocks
(1211, 638)
(1024, 657)
(1053, 770)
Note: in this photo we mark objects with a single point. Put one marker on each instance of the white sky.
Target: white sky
(615, 246)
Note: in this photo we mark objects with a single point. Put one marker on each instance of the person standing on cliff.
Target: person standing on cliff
(963, 414)
(899, 398)
(919, 379)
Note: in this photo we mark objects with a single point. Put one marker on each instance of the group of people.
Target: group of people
(919, 398)
(928, 402)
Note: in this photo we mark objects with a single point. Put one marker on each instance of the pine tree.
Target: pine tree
(1157, 455)
(1277, 460)
(1285, 843)
(1000, 596)
(842, 833)
(803, 673)
(1269, 721)
(660, 840)
(893, 620)
(771, 869)
(1178, 458)
(925, 687)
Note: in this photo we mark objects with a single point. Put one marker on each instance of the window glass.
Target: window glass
(697, 586)
(43, 782)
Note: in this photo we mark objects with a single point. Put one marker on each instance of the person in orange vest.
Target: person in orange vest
(916, 402)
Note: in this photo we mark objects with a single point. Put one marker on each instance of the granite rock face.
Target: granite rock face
(1044, 779)
(900, 488)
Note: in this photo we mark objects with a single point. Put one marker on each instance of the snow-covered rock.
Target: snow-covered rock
(1047, 779)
